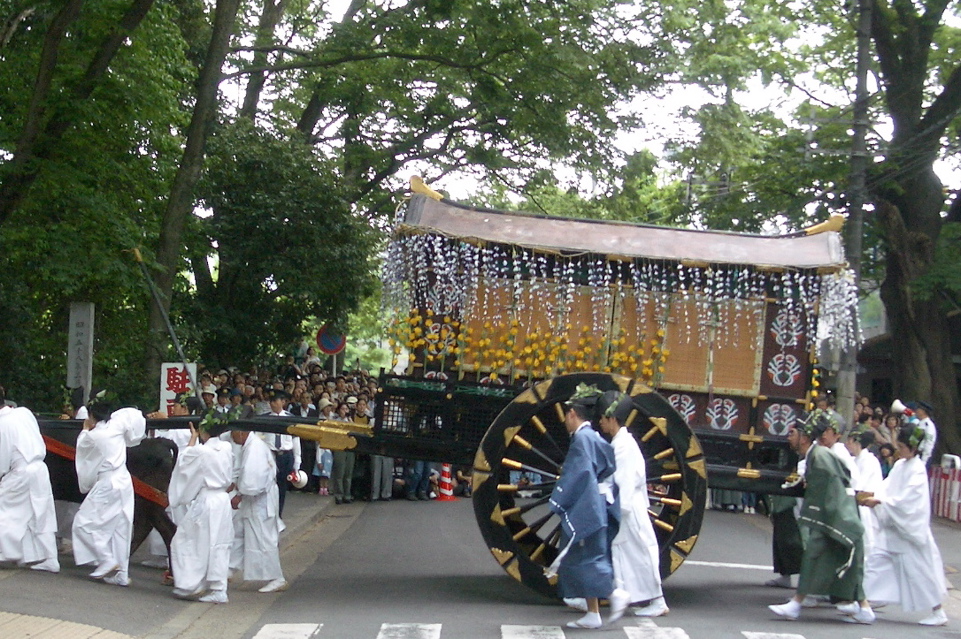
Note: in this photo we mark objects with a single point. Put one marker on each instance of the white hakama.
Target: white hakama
(103, 526)
(871, 478)
(257, 550)
(200, 551)
(905, 566)
(635, 553)
(28, 532)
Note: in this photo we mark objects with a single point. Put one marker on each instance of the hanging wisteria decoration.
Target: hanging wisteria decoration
(707, 303)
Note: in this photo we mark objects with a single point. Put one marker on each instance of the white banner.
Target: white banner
(175, 378)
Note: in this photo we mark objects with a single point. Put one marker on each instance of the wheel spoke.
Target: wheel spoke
(533, 528)
(550, 540)
(663, 525)
(542, 429)
(513, 488)
(526, 445)
(526, 507)
(665, 479)
(516, 465)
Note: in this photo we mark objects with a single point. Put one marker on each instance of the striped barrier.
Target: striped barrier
(945, 492)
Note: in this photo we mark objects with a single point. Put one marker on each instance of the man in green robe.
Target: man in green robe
(833, 559)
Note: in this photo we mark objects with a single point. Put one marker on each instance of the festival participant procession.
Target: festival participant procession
(593, 405)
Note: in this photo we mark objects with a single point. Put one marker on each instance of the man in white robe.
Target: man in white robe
(870, 478)
(103, 526)
(905, 566)
(257, 550)
(635, 553)
(28, 522)
(200, 551)
(184, 404)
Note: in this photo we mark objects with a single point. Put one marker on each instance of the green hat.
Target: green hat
(585, 395)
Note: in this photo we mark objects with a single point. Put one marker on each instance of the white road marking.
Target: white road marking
(770, 635)
(720, 564)
(655, 632)
(531, 632)
(288, 631)
(409, 631)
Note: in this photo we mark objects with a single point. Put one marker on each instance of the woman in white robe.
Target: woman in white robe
(29, 528)
(257, 550)
(635, 553)
(905, 566)
(103, 526)
(200, 551)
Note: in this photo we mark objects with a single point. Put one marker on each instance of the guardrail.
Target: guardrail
(945, 482)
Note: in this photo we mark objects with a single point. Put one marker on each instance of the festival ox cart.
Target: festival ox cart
(500, 315)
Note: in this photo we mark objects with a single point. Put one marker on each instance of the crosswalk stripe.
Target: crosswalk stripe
(409, 631)
(770, 635)
(655, 632)
(531, 632)
(721, 564)
(288, 631)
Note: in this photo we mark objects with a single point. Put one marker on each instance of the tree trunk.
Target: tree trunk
(921, 337)
(271, 15)
(181, 201)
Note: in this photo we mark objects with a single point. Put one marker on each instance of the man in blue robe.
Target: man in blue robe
(585, 498)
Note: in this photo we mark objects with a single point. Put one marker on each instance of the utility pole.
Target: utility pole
(847, 375)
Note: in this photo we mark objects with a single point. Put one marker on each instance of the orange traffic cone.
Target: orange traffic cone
(446, 485)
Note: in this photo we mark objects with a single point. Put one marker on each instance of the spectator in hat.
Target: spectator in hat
(223, 400)
(924, 411)
(324, 458)
(286, 448)
(343, 466)
(208, 393)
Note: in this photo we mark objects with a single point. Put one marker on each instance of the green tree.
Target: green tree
(281, 245)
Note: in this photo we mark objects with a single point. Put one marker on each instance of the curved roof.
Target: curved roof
(621, 239)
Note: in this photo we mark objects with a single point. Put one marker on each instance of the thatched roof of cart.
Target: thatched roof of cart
(622, 240)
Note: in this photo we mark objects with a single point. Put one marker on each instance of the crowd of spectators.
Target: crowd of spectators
(315, 394)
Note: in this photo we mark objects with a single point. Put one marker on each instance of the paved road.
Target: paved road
(403, 570)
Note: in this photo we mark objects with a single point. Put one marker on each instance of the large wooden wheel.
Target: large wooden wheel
(527, 443)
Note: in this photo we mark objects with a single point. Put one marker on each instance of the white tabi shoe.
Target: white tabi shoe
(851, 608)
(576, 603)
(937, 618)
(863, 615)
(117, 579)
(790, 610)
(657, 608)
(50, 565)
(590, 621)
(104, 570)
(215, 597)
(619, 601)
(275, 586)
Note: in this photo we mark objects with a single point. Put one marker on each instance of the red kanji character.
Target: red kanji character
(177, 380)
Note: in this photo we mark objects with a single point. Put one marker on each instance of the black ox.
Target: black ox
(152, 462)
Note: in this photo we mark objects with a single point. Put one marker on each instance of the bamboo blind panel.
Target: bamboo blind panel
(737, 367)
